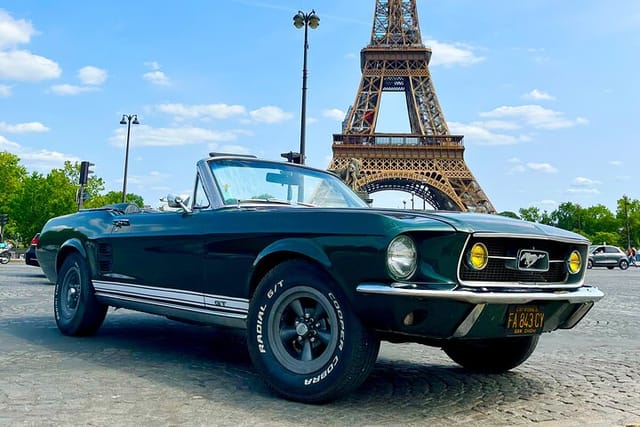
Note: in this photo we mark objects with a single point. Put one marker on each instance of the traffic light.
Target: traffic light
(85, 171)
(4, 219)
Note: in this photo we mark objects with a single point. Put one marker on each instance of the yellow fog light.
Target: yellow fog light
(574, 263)
(478, 256)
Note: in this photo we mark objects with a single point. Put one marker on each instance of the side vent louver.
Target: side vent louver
(104, 257)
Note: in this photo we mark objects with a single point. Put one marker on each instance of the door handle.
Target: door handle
(121, 222)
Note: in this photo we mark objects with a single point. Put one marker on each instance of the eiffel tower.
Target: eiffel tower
(429, 161)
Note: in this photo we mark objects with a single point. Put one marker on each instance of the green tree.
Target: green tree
(628, 215)
(11, 178)
(29, 204)
(112, 198)
(509, 214)
(598, 219)
(568, 216)
(533, 214)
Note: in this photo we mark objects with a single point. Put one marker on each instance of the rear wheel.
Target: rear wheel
(493, 355)
(589, 264)
(304, 339)
(623, 264)
(76, 309)
(5, 258)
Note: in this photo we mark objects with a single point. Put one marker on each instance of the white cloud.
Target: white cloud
(541, 167)
(582, 181)
(452, 54)
(615, 163)
(539, 95)
(23, 127)
(583, 191)
(39, 160)
(534, 115)
(334, 114)
(14, 32)
(498, 124)
(153, 65)
(164, 137)
(5, 91)
(548, 202)
(270, 115)
(227, 148)
(70, 90)
(213, 111)
(157, 78)
(478, 134)
(25, 66)
(90, 75)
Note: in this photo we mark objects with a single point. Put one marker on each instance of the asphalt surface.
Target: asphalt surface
(144, 370)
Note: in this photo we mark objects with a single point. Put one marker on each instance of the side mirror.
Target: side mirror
(177, 202)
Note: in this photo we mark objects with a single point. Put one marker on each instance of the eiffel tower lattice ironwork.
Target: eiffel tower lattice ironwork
(429, 161)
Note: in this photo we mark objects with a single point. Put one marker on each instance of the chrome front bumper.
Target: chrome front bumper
(574, 296)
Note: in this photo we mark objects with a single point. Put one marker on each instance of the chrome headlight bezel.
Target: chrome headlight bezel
(402, 257)
(574, 259)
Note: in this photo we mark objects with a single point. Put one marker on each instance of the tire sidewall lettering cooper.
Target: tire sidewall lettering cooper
(261, 330)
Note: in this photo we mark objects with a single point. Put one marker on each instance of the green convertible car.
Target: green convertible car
(316, 277)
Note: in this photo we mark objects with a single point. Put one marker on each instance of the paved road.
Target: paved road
(145, 370)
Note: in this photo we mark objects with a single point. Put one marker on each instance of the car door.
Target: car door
(156, 255)
(612, 255)
(599, 256)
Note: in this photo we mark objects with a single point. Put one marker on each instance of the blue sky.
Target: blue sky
(546, 93)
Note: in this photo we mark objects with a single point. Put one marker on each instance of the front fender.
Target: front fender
(71, 245)
(299, 247)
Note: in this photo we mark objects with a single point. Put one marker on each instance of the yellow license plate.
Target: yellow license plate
(524, 320)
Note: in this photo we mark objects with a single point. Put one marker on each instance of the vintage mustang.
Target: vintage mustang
(316, 276)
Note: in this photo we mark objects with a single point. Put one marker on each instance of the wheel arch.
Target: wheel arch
(68, 247)
(285, 250)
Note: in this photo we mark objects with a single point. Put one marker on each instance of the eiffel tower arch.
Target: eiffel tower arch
(427, 162)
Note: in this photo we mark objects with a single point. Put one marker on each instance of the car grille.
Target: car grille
(503, 260)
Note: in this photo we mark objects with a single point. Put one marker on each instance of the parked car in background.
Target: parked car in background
(607, 256)
(30, 257)
(317, 277)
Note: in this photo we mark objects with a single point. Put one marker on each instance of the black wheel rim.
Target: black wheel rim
(70, 291)
(303, 330)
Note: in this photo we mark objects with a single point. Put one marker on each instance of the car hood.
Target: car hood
(481, 223)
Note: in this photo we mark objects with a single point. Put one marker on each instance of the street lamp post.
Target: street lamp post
(127, 119)
(305, 20)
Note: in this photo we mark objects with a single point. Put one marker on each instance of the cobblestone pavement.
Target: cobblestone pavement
(145, 370)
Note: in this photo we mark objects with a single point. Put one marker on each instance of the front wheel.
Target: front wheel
(4, 259)
(623, 264)
(304, 339)
(494, 355)
(589, 264)
(76, 309)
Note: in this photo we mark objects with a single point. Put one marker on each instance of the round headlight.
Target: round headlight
(402, 257)
(574, 263)
(478, 256)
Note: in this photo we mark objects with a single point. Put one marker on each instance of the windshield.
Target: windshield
(253, 181)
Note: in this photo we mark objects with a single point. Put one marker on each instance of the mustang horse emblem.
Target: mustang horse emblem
(530, 258)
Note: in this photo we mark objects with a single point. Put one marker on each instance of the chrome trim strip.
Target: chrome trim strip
(180, 296)
(522, 285)
(231, 303)
(469, 321)
(533, 236)
(581, 295)
(173, 306)
(169, 296)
